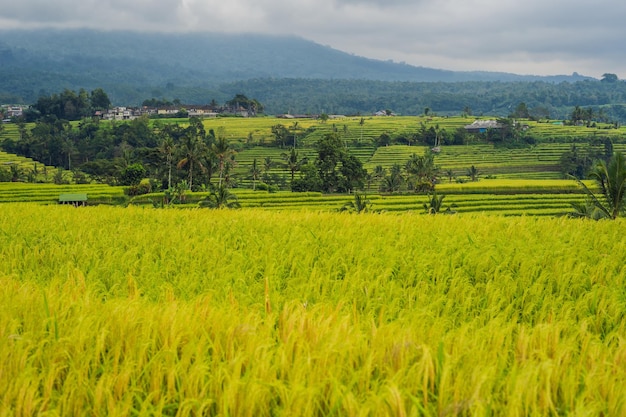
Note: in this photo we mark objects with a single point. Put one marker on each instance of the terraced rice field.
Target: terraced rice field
(49, 193)
(508, 197)
(110, 311)
(537, 162)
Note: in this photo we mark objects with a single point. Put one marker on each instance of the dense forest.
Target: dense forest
(547, 100)
(362, 97)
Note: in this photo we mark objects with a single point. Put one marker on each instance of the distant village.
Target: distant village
(11, 112)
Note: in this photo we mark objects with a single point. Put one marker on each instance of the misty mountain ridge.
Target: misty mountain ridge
(130, 65)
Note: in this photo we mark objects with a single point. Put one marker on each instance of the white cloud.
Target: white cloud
(507, 35)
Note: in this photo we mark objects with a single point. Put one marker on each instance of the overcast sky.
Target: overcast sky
(543, 37)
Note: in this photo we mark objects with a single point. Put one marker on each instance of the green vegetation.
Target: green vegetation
(180, 160)
(112, 311)
(610, 178)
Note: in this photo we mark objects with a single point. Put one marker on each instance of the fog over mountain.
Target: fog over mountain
(132, 66)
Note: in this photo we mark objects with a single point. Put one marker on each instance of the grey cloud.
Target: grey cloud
(534, 36)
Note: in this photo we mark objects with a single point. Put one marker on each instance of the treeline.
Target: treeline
(115, 153)
(364, 97)
(69, 105)
(543, 99)
(173, 156)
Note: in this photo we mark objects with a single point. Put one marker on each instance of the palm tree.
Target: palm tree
(450, 174)
(167, 147)
(220, 197)
(379, 171)
(193, 151)
(16, 172)
(360, 204)
(255, 173)
(422, 169)
(180, 191)
(292, 162)
(222, 150)
(267, 165)
(611, 179)
(393, 181)
(293, 130)
(435, 204)
(361, 123)
(68, 149)
(473, 173)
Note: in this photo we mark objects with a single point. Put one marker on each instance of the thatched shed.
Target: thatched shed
(77, 199)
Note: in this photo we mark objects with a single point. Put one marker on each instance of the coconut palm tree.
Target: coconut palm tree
(450, 174)
(361, 123)
(610, 178)
(422, 170)
(360, 204)
(268, 164)
(222, 150)
(193, 150)
(435, 204)
(292, 162)
(167, 148)
(255, 173)
(473, 173)
(220, 197)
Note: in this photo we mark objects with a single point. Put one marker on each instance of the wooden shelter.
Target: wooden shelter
(76, 200)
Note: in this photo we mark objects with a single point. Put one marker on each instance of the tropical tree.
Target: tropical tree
(610, 178)
(268, 164)
(352, 173)
(379, 171)
(473, 173)
(16, 173)
(180, 191)
(219, 198)
(293, 132)
(223, 152)
(435, 204)
(68, 147)
(422, 171)
(193, 150)
(450, 174)
(293, 162)
(167, 148)
(361, 123)
(132, 174)
(393, 182)
(281, 135)
(255, 173)
(359, 204)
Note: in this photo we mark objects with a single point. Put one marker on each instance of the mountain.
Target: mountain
(133, 66)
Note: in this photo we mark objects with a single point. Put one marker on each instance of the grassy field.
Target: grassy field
(110, 311)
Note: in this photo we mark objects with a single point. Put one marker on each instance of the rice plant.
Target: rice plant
(111, 311)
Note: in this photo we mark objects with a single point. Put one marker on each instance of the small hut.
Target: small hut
(76, 200)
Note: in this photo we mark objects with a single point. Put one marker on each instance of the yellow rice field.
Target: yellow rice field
(110, 311)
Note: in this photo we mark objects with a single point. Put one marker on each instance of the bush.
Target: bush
(139, 189)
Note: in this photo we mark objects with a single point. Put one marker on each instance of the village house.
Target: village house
(481, 126)
(11, 111)
(118, 113)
